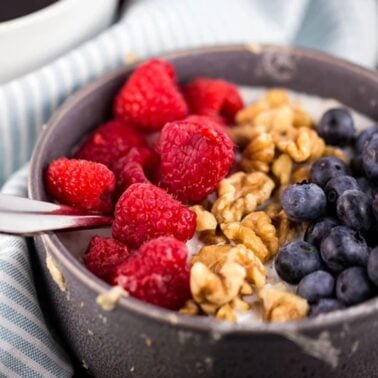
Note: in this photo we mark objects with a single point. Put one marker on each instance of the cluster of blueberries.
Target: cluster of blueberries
(336, 265)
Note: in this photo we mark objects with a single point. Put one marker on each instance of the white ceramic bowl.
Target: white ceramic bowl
(28, 42)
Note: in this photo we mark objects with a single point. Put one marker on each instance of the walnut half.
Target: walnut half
(280, 305)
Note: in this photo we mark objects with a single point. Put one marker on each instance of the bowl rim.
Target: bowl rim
(174, 318)
(42, 14)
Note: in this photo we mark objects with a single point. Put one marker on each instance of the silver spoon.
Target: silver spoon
(22, 216)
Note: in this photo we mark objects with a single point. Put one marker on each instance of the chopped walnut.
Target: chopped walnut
(283, 118)
(261, 223)
(212, 237)
(256, 232)
(335, 152)
(205, 219)
(238, 304)
(282, 168)
(280, 305)
(301, 117)
(190, 308)
(226, 312)
(219, 273)
(276, 97)
(243, 134)
(273, 209)
(300, 148)
(248, 114)
(287, 230)
(240, 194)
(301, 174)
(258, 154)
(318, 145)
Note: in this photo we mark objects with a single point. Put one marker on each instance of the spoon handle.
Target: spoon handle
(32, 223)
(24, 216)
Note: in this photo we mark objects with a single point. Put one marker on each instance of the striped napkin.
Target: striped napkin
(148, 27)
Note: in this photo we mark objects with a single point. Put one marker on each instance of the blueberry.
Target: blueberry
(365, 186)
(318, 230)
(336, 127)
(326, 168)
(336, 186)
(353, 286)
(342, 248)
(297, 259)
(370, 158)
(316, 285)
(305, 201)
(354, 210)
(375, 206)
(325, 305)
(364, 137)
(372, 266)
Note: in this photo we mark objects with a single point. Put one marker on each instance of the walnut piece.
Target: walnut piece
(258, 154)
(190, 308)
(240, 194)
(280, 305)
(287, 230)
(301, 117)
(276, 97)
(226, 312)
(248, 114)
(300, 148)
(219, 273)
(281, 168)
(301, 174)
(205, 219)
(212, 237)
(335, 152)
(256, 232)
(243, 134)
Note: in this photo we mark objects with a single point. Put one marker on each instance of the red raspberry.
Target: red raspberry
(145, 212)
(81, 183)
(213, 98)
(151, 98)
(195, 156)
(109, 142)
(157, 273)
(103, 257)
(138, 166)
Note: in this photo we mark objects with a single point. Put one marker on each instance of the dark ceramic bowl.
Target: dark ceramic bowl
(141, 340)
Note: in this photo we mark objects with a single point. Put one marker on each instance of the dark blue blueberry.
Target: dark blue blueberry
(365, 186)
(336, 186)
(342, 248)
(325, 305)
(305, 201)
(354, 210)
(318, 230)
(375, 206)
(372, 266)
(336, 127)
(353, 286)
(316, 285)
(370, 158)
(364, 137)
(326, 168)
(297, 259)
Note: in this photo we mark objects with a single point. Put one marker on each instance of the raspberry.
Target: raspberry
(195, 156)
(157, 273)
(109, 142)
(151, 98)
(136, 167)
(80, 183)
(104, 255)
(213, 98)
(145, 212)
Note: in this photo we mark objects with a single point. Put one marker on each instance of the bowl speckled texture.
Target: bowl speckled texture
(140, 340)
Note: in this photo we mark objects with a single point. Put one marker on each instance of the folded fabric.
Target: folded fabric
(26, 346)
(148, 27)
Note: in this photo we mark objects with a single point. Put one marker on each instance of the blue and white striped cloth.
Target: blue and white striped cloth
(345, 28)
